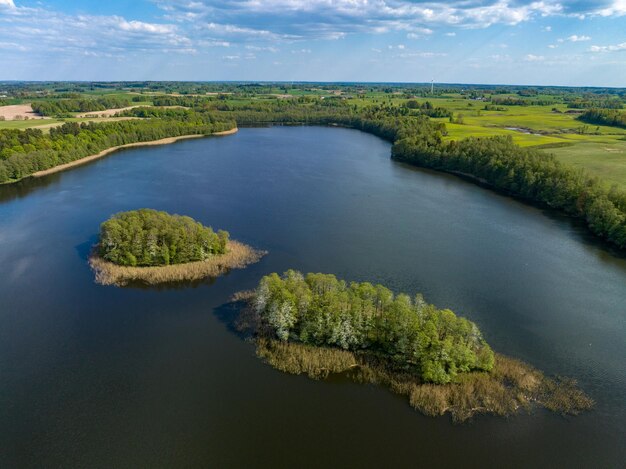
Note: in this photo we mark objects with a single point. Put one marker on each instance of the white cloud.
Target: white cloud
(44, 31)
(576, 38)
(547, 29)
(13, 46)
(613, 48)
(451, 34)
(140, 26)
(260, 48)
(244, 32)
(329, 18)
(534, 58)
(424, 55)
(617, 8)
(7, 3)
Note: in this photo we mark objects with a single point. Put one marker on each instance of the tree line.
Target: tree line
(151, 238)
(526, 173)
(64, 107)
(408, 333)
(612, 117)
(23, 153)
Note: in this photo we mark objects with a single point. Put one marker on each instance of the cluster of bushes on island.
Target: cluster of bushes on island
(24, 152)
(319, 309)
(64, 107)
(318, 325)
(149, 237)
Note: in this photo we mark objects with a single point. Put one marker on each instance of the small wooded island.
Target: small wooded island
(319, 325)
(156, 247)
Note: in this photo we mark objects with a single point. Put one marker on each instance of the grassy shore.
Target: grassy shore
(238, 256)
(87, 159)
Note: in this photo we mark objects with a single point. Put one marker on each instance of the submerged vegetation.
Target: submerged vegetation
(318, 325)
(155, 247)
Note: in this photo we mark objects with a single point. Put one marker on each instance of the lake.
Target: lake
(94, 376)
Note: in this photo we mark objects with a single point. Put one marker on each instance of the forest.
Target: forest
(23, 153)
(611, 117)
(64, 107)
(411, 335)
(151, 238)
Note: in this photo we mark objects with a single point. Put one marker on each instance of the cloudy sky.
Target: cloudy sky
(579, 42)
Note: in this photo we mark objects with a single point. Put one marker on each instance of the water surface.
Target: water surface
(94, 376)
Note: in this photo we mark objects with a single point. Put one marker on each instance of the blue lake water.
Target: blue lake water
(94, 376)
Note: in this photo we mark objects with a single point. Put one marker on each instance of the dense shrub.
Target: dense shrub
(410, 334)
(148, 238)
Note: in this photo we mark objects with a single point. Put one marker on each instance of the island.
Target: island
(318, 325)
(154, 247)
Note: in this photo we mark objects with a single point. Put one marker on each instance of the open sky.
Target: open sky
(548, 42)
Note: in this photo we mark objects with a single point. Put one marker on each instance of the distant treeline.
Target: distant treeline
(608, 102)
(612, 117)
(186, 101)
(63, 107)
(151, 238)
(427, 109)
(514, 101)
(409, 334)
(24, 152)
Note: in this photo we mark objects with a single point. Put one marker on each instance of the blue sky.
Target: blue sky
(546, 42)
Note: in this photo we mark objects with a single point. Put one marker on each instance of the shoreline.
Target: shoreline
(163, 141)
(238, 256)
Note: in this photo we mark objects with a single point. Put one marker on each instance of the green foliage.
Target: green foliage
(411, 335)
(588, 102)
(611, 117)
(63, 107)
(24, 152)
(148, 238)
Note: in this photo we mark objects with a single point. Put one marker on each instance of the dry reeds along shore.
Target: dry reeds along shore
(238, 256)
(512, 386)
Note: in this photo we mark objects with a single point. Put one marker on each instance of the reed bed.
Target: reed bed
(512, 387)
(238, 256)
